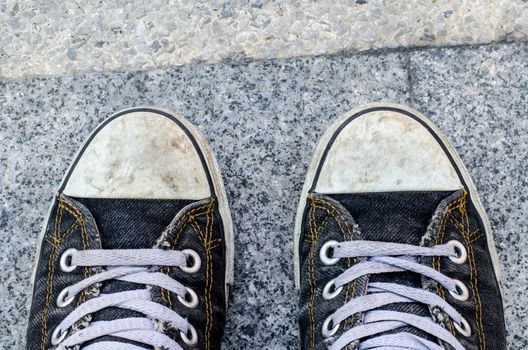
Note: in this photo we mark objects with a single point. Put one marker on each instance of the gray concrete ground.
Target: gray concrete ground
(263, 119)
(72, 36)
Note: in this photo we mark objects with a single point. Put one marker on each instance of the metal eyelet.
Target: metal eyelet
(194, 299)
(463, 328)
(330, 292)
(194, 336)
(328, 332)
(197, 262)
(323, 253)
(461, 252)
(64, 260)
(62, 299)
(57, 337)
(461, 293)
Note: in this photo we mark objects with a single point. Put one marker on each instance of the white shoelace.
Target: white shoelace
(388, 258)
(129, 266)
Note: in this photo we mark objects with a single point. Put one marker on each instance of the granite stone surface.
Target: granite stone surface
(479, 98)
(263, 119)
(69, 36)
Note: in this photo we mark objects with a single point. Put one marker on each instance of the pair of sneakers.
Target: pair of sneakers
(393, 249)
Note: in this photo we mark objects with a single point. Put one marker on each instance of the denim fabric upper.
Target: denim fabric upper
(131, 224)
(417, 218)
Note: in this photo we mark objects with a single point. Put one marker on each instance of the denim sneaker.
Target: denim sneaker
(137, 250)
(393, 248)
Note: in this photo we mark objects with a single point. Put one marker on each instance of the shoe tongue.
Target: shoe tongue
(399, 217)
(128, 224)
(132, 223)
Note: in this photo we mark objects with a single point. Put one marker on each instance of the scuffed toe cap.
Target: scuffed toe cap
(383, 151)
(140, 154)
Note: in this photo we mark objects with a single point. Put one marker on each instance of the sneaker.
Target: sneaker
(137, 250)
(393, 248)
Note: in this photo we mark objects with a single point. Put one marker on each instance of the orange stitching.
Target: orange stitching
(67, 233)
(49, 286)
(439, 239)
(184, 222)
(349, 261)
(315, 237)
(311, 270)
(441, 233)
(456, 223)
(75, 212)
(311, 265)
(70, 230)
(475, 236)
(209, 279)
(189, 218)
(198, 231)
(336, 210)
(473, 279)
(63, 204)
(163, 294)
(463, 227)
(71, 208)
(209, 245)
(206, 239)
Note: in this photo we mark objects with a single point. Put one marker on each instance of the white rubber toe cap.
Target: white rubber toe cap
(383, 151)
(140, 154)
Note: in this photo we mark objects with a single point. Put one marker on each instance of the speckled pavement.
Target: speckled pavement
(71, 36)
(263, 119)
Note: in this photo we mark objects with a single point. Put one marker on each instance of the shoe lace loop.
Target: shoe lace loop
(129, 265)
(384, 257)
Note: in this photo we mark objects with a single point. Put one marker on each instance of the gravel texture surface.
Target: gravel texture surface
(62, 37)
(263, 119)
